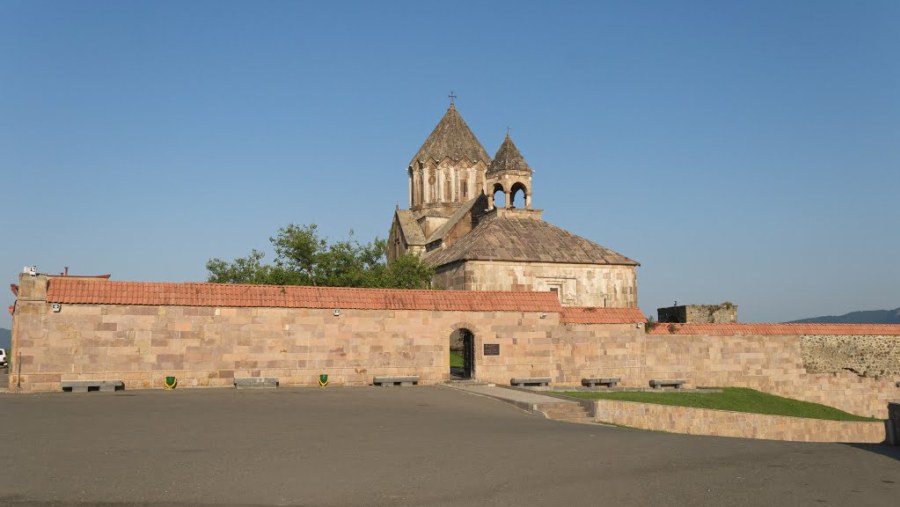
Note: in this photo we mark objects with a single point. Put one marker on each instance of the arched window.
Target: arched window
(518, 202)
(499, 196)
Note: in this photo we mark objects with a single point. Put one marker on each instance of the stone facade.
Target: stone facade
(445, 185)
(576, 284)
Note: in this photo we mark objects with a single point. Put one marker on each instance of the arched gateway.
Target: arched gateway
(462, 354)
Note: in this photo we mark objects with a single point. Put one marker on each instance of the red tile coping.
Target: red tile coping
(776, 329)
(590, 315)
(75, 291)
(96, 278)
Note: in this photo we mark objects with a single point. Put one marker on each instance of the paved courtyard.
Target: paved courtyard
(395, 446)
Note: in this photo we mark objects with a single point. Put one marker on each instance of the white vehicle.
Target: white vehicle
(3, 362)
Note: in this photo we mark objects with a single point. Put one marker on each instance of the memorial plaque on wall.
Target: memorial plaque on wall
(492, 349)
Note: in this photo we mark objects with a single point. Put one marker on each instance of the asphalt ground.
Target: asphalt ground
(395, 446)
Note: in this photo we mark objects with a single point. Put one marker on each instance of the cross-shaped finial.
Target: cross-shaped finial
(452, 98)
(507, 131)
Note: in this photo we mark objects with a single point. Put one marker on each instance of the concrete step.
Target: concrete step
(580, 420)
(568, 407)
(467, 382)
(567, 412)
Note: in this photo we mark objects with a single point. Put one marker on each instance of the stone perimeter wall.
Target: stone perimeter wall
(696, 421)
(207, 346)
(769, 363)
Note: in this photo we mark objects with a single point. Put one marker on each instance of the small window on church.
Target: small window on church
(555, 291)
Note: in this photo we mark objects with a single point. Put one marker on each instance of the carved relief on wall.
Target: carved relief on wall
(564, 288)
(447, 196)
(432, 188)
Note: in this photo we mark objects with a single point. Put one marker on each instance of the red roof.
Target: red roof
(590, 315)
(75, 291)
(777, 329)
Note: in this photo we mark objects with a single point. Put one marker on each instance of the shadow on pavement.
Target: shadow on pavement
(889, 451)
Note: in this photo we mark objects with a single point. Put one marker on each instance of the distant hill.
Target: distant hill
(5, 338)
(864, 317)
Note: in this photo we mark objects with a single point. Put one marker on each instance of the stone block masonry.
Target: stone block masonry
(208, 335)
(141, 333)
(697, 421)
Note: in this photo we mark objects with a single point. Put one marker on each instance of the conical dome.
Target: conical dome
(452, 139)
(508, 159)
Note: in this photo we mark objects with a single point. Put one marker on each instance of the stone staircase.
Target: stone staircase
(566, 411)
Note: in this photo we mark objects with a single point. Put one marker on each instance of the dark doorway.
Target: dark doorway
(462, 354)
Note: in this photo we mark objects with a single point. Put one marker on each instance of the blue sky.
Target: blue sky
(741, 151)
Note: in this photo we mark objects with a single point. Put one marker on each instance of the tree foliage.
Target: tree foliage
(302, 257)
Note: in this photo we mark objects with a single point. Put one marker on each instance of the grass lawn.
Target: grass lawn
(456, 360)
(736, 399)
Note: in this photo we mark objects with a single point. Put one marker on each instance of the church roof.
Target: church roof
(452, 221)
(452, 139)
(508, 158)
(504, 236)
(411, 230)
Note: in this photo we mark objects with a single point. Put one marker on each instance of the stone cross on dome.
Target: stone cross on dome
(452, 97)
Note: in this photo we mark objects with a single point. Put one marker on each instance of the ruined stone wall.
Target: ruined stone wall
(577, 284)
(867, 356)
(713, 314)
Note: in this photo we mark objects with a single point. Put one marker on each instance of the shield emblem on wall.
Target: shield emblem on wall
(323, 380)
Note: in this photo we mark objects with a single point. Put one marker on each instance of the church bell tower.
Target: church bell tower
(509, 174)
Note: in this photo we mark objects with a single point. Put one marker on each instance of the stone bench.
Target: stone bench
(410, 380)
(84, 386)
(530, 381)
(594, 382)
(676, 383)
(255, 383)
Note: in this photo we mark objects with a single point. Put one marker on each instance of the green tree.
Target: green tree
(406, 272)
(247, 269)
(302, 257)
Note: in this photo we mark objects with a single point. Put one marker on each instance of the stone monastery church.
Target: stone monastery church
(455, 225)
(531, 301)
